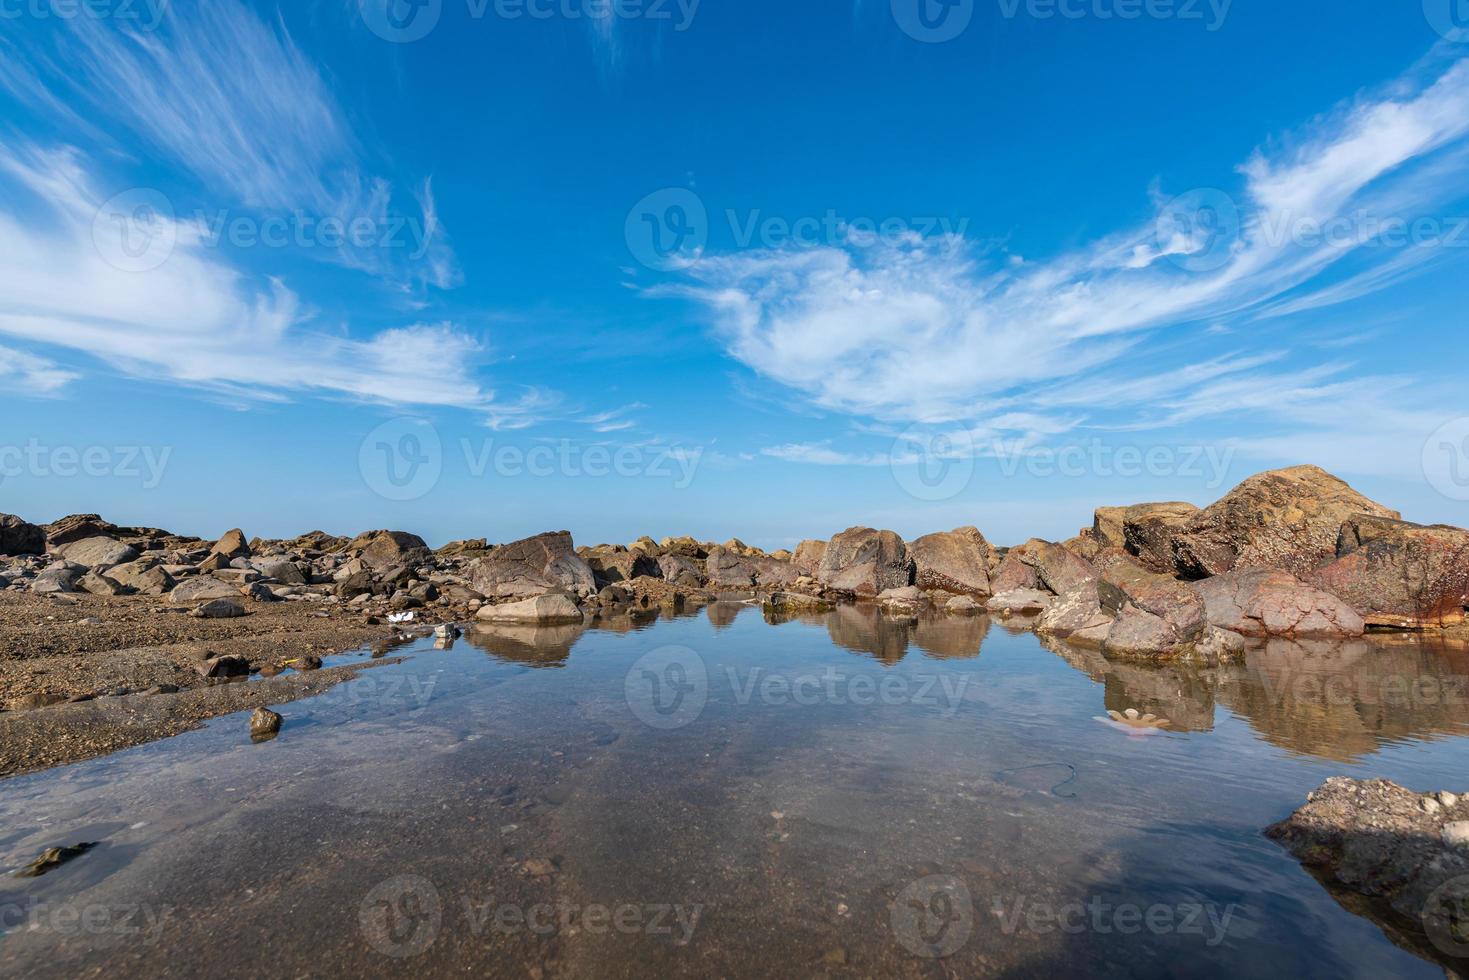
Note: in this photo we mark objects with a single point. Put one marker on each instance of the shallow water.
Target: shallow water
(719, 795)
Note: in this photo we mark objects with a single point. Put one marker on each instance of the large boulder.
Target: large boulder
(1056, 567)
(20, 538)
(1012, 574)
(542, 610)
(97, 553)
(384, 549)
(774, 572)
(1399, 575)
(144, 575)
(1267, 602)
(1288, 519)
(613, 563)
(865, 562)
(955, 561)
(533, 566)
(1076, 612)
(60, 578)
(283, 570)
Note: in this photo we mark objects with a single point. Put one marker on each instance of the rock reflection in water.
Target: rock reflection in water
(1333, 700)
(534, 646)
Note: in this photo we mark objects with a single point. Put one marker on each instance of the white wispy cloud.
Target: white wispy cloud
(27, 374)
(232, 100)
(920, 329)
(192, 318)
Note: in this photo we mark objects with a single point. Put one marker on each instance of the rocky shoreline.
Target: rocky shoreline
(1288, 553)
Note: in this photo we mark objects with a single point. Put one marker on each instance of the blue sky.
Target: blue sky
(759, 268)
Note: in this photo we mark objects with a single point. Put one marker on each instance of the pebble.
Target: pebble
(264, 724)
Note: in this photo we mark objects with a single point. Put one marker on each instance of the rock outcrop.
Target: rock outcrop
(614, 563)
(384, 549)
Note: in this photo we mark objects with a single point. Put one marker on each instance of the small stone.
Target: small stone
(227, 666)
(264, 724)
(1429, 804)
(1456, 834)
(52, 858)
(538, 867)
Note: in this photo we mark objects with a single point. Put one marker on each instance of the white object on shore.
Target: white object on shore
(402, 617)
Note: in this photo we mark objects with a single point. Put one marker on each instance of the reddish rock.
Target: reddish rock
(865, 562)
(1266, 602)
(383, 549)
(1057, 568)
(955, 561)
(1399, 575)
(1124, 581)
(534, 566)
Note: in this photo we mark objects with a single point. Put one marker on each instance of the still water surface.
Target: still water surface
(718, 795)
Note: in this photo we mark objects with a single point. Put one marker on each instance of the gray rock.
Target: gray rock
(100, 585)
(283, 570)
(533, 566)
(1025, 602)
(679, 570)
(542, 610)
(202, 588)
(219, 609)
(56, 579)
(144, 575)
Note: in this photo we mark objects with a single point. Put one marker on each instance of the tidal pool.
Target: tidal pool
(719, 795)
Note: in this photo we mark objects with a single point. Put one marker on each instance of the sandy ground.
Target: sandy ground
(119, 659)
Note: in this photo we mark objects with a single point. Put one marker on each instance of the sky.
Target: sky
(483, 268)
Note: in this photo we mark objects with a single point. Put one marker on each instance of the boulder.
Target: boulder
(726, 568)
(264, 724)
(57, 579)
(232, 545)
(611, 563)
(1399, 575)
(1125, 582)
(144, 575)
(1056, 567)
(808, 555)
(1137, 632)
(382, 549)
(906, 600)
(230, 665)
(954, 561)
(283, 570)
(865, 562)
(542, 610)
(200, 589)
(99, 584)
(680, 571)
(533, 566)
(20, 538)
(219, 609)
(1074, 612)
(771, 572)
(97, 553)
(685, 547)
(1266, 602)
(963, 605)
(1143, 530)
(796, 602)
(1025, 602)
(1012, 574)
(1287, 519)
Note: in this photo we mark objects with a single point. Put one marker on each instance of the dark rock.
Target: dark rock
(1125, 581)
(18, 537)
(1142, 530)
(611, 563)
(679, 570)
(53, 858)
(78, 526)
(383, 549)
(230, 665)
(725, 568)
(264, 724)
